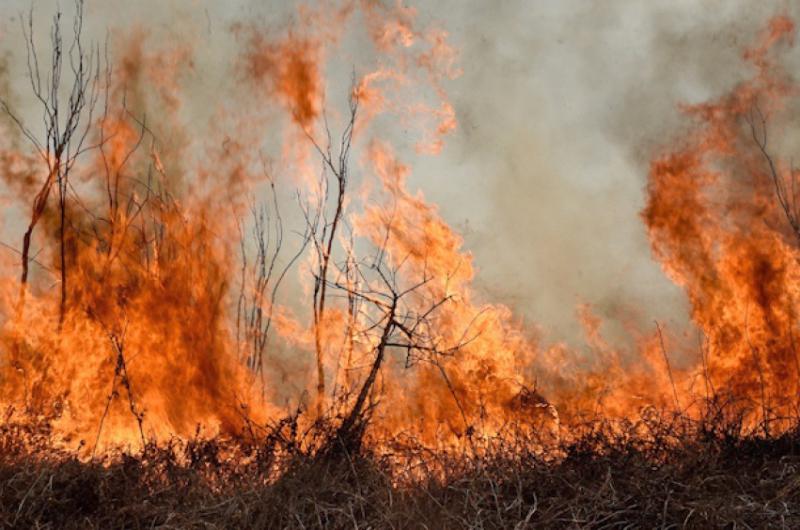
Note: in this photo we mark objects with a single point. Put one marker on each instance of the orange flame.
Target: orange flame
(717, 228)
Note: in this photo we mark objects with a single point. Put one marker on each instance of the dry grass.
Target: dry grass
(660, 472)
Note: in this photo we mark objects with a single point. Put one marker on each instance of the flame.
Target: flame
(147, 345)
(474, 390)
(717, 229)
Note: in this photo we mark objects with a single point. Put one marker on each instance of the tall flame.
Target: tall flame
(716, 226)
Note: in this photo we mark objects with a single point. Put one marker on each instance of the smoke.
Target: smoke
(562, 105)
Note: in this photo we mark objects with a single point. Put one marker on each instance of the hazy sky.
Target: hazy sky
(561, 104)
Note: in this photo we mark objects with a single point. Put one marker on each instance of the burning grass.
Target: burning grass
(167, 250)
(660, 471)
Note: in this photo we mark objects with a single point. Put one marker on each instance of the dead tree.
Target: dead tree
(67, 105)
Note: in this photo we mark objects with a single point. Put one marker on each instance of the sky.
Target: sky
(561, 104)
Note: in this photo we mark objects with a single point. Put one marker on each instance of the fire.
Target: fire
(161, 323)
(718, 230)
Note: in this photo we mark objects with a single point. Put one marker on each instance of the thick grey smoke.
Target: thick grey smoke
(562, 105)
